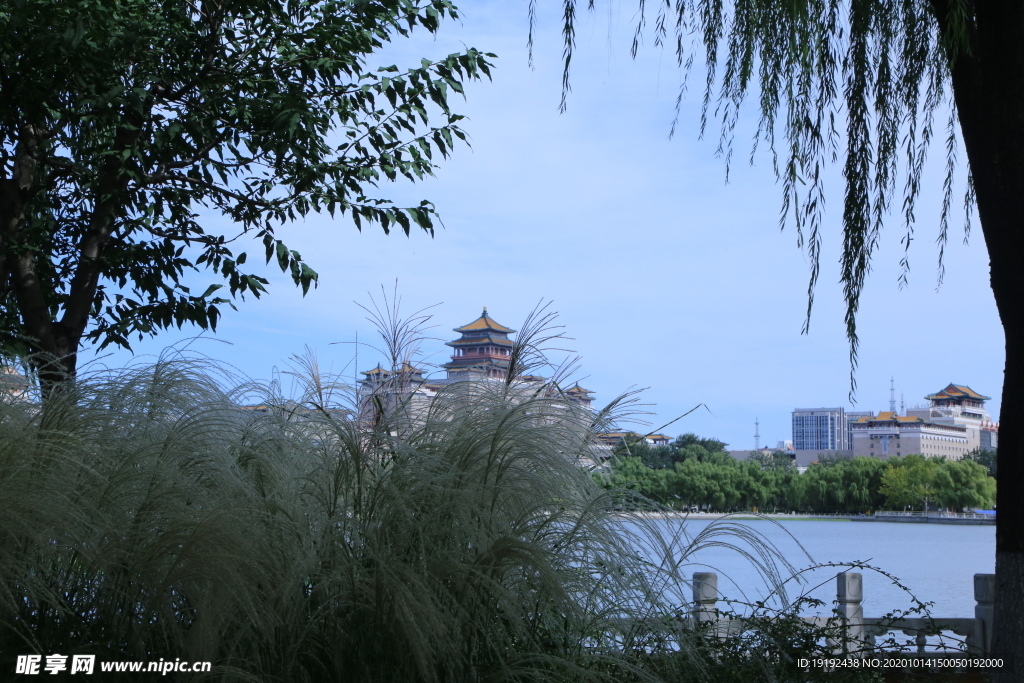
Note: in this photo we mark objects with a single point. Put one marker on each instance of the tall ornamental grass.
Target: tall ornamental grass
(326, 536)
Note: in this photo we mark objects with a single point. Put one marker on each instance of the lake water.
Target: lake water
(937, 562)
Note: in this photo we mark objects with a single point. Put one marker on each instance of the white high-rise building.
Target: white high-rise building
(820, 429)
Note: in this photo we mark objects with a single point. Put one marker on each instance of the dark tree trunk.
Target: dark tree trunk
(988, 84)
(53, 342)
(56, 367)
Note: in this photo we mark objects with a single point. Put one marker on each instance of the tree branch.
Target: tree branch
(163, 177)
(109, 191)
(32, 303)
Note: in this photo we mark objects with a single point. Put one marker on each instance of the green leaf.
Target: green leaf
(210, 290)
(184, 136)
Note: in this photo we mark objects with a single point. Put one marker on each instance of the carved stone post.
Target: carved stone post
(705, 595)
(850, 595)
(984, 595)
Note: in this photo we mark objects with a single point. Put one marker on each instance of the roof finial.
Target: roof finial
(484, 314)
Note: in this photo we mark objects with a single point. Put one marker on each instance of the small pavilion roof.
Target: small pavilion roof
(407, 367)
(953, 391)
(577, 389)
(484, 322)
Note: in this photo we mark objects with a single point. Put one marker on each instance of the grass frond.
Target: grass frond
(145, 514)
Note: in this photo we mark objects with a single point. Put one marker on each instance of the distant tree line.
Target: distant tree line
(697, 473)
(985, 457)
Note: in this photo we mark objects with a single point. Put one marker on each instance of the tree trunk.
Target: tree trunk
(57, 367)
(988, 84)
(53, 342)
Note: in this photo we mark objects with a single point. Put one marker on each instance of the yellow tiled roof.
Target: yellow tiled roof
(484, 322)
(887, 416)
(957, 391)
(406, 368)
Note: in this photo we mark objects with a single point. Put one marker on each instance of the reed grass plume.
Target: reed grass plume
(145, 514)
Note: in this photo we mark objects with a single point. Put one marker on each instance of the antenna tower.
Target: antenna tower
(892, 395)
(757, 434)
(903, 407)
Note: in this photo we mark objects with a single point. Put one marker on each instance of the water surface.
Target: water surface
(937, 562)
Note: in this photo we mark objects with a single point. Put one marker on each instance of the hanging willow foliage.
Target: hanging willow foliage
(881, 67)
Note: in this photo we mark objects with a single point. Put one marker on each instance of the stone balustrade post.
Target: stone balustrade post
(850, 596)
(984, 596)
(705, 595)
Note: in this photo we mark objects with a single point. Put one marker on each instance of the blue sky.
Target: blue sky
(666, 276)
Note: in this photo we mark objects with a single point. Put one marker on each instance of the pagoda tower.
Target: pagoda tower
(482, 352)
(960, 400)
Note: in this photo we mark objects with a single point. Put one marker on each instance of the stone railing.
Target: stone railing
(860, 632)
(934, 515)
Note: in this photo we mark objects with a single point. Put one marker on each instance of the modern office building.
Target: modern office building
(820, 429)
(989, 437)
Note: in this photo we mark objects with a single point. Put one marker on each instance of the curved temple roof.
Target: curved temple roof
(484, 322)
(955, 391)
